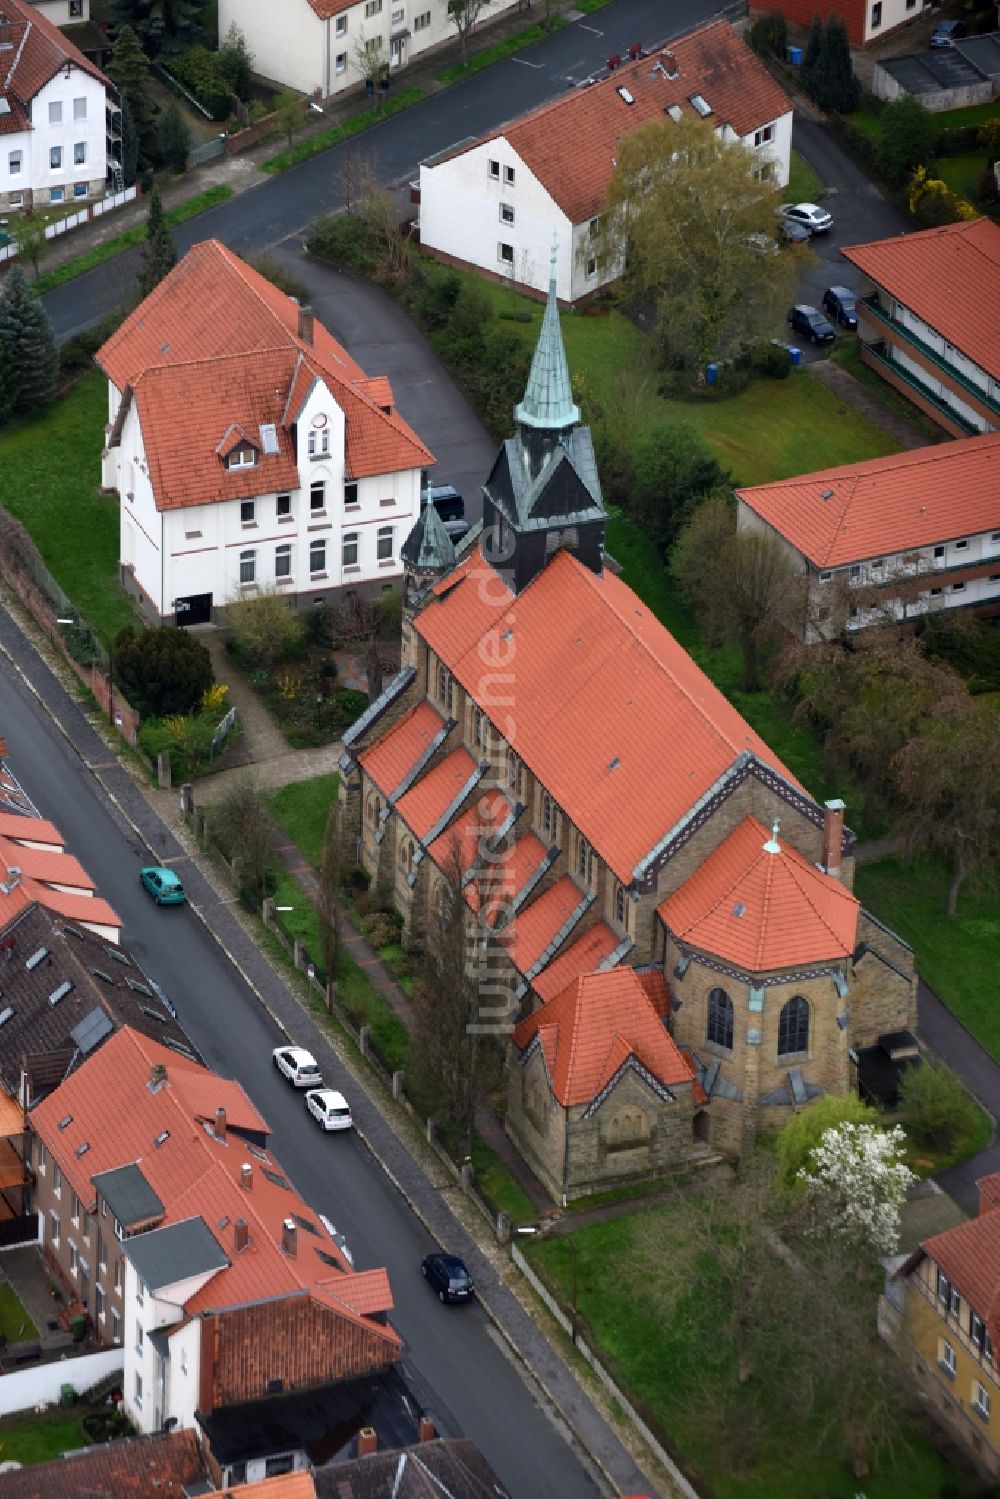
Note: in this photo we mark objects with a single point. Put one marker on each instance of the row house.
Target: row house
(36, 868)
(249, 450)
(318, 46)
(500, 202)
(950, 1306)
(178, 1233)
(552, 763)
(889, 538)
(924, 324)
(54, 114)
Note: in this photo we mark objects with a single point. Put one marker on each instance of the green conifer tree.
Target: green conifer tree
(128, 70)
(843, 90)
(814, 46)
(8, 381)
(162, 26)
(175, 139)
(130, 146)
(25, 331)
(158, 253)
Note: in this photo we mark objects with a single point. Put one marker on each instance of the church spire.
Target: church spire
(548, 403)
(429, 548)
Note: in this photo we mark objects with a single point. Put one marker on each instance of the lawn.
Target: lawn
(961, 172)
(803, 184)
(496, 1182)
(975, 114)
(957, 958)
(50, 469)
(772, 430)
(41, 1438)
(499, 50)
(15, 1324)
(657, 1351)
(302, 809)
(847, 353)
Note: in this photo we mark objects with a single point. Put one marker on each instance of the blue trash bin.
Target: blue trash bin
(794, 354)
(711, 374)
(795, 56)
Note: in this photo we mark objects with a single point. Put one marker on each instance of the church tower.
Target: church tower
(543, 494)
(427, 554)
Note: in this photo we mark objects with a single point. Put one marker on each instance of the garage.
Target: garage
(196, 609)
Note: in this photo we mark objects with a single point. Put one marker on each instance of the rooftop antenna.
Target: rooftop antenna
(772, 846)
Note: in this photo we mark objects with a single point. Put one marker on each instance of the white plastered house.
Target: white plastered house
(499, 203)
(53, 114)
(248, 449)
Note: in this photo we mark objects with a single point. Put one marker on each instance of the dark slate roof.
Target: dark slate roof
(324, 1422)
(442, 1469)
(537, 480)
(57, 1027)
(164, 1465)
(428, 545)
(129, 1196)
(166, 1255)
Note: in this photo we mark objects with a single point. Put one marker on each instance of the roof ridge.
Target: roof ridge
(908, 458)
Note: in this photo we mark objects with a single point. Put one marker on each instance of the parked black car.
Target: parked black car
(448, 503)
(840, 303)
(947, 33)
(811, 324)
(447, 1275)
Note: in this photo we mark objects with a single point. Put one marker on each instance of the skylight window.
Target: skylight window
(100, 974)
(277, 1178)
(36, 958)
(66, 1121)
(269, 438)
(674, 111)
(82, 1149)
(117, 954)
(739, 909)
(6, 1014)
(701, 104)
(139, 988)
(162, 1138)
(626, 94)
(328, 1259)
(61, 992)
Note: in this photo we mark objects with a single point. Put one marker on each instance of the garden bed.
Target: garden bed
(301, 693)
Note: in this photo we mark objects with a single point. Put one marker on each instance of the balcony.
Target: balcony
(954, 375)
(878, 353)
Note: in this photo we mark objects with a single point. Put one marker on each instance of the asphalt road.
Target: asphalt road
(284, 205)
(453, 1357)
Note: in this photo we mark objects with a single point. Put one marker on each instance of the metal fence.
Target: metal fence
(207, 152)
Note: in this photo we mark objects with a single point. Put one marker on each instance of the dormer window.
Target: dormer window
(245, 456)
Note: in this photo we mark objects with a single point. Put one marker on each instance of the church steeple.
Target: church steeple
(548, 404)
(427, 554)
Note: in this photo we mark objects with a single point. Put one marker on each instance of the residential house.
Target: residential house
(951, 1321)
(36, 868)
(550, 761)
(447, 1468)
(866, 21)
(248, 449)
(54, 119)
(74, 20)
(178, 1233)
(499, 203)
(168, 1465)
(894, 537)
(923, 320)
(314, 45)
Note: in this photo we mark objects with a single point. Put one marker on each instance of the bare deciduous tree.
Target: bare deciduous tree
(464, 15)
(242, 825)
(366, 623)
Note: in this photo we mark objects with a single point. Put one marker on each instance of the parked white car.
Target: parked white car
(809, 215)
(329, 1108)
(299, 1066)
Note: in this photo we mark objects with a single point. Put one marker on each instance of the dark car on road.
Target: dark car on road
(811, 323)
(947, 33)
(840, 303)
(447, 1275)
(446, 500)
(791, 232)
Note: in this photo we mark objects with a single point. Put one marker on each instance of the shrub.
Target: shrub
(264, 628)
(933, 203)
(281, 276)
(960, 138)
(241, 824)
(800, 1136)
(989, 135)
(771, 360)
(382, 930)
(673, 470)
(936, 1110)
(987, 190)
(344, 241)
(769, 36)
(358, 879)
(202, 74)
(77, 353)
(162, 671)
(906, 140)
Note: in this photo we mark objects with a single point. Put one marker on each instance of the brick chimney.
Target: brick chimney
(289, 1238)
(246, 1176)
(157, 1074)
(220, 1122)
(426, 1431)
(367, 1441)
(241, 1235)
(833, 836)
(305, 323)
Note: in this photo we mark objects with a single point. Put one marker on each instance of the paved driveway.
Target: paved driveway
(384, 341)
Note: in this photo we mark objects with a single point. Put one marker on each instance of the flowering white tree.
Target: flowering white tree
(858, 1181)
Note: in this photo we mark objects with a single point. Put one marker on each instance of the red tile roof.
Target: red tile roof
(502, 880)
(571, 144)
(165, 1464)
(459, 847)
(50, 866)
(969, 1255)
(886, 505)
(29, 829)
(989, 1192)
(38, 51)
(762, 910)
(327, 8)
(949, 277)
(186, 343)
(582, 956)
(589, 1030)
(537, 923)
(429, 798)
(114, 1111)
(390, 759)
(600, 692)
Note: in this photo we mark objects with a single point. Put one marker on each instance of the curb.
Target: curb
(495, 1322)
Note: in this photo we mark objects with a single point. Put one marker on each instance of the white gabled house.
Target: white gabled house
(249, 449)
(313, 45)
(54, 123)
(499, 203)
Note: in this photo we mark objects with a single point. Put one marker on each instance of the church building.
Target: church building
(662, 916)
